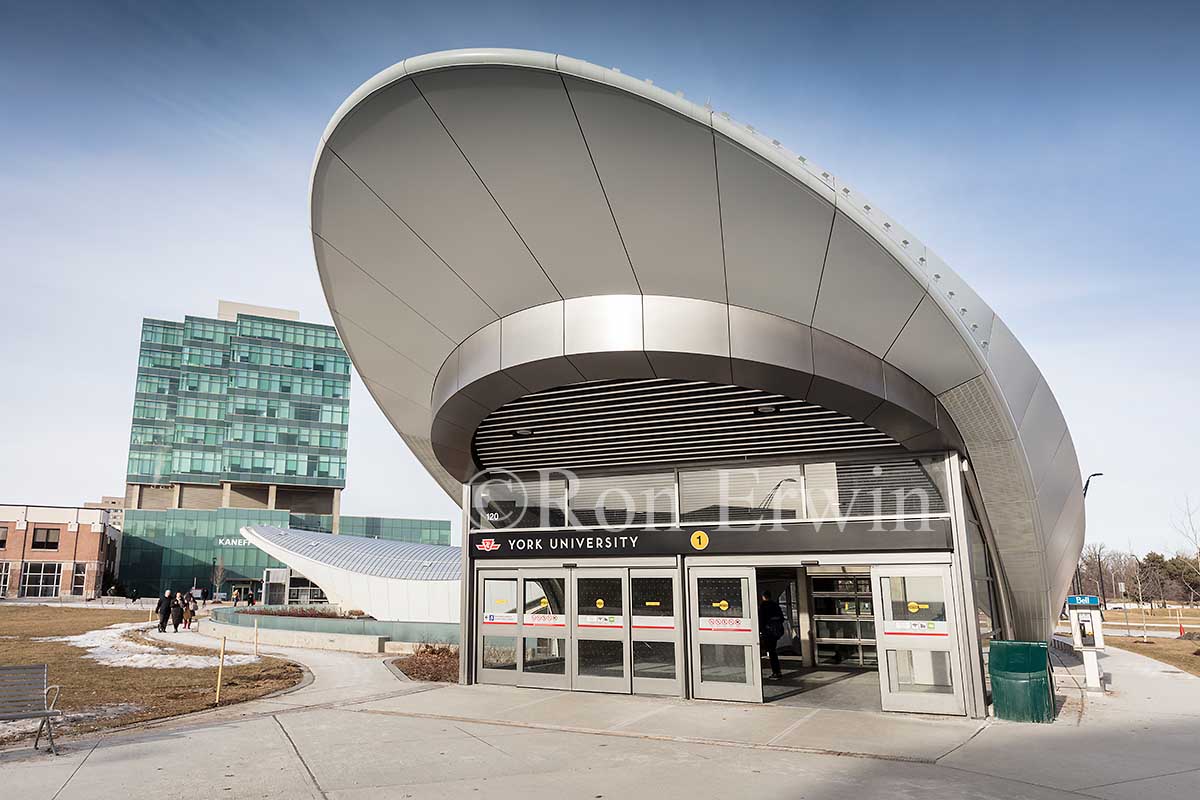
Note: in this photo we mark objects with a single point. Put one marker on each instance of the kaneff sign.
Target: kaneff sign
(795, 537)
(229, 542)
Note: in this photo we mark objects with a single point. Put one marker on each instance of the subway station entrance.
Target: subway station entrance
(856, 635)
(859, 582)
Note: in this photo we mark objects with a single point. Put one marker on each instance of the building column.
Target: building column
(134, 500)
(804, 618)
(176, 491)
(226, 494)
(272, 493)
(337, 511)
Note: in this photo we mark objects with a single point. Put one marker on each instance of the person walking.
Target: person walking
(189, 610)
(236, 596)
(770, 629)
(177, 611)
(133, 596)
(163, 609)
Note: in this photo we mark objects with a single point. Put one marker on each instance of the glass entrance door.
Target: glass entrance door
(656, 640)
(600, 627)
(723, 618)
(499, 626)
(919, 668)
(545, 638)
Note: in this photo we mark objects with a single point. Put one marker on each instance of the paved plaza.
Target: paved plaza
(356, 729)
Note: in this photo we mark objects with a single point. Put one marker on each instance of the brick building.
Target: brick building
(56, 551)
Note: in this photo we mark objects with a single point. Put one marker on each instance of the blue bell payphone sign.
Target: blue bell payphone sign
(1083, 600)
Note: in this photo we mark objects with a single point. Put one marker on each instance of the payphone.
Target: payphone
(1087, 635)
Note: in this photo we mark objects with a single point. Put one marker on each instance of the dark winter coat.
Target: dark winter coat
(163, 609)
(770, 620)
(176, 612)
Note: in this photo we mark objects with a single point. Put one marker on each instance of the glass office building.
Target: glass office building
(248, 400)
(240, 419)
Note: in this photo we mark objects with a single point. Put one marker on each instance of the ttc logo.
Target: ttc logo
(488, 545)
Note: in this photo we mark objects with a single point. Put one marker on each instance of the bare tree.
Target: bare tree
(1141, 596)
(1187, 525)
(218, 575)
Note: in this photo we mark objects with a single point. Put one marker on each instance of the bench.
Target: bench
(24, 694)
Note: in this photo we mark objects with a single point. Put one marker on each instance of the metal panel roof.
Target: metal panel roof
(379, 557)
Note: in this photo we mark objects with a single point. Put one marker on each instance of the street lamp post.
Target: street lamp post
(1099, 566)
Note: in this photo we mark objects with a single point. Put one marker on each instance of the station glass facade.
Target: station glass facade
(179, 548)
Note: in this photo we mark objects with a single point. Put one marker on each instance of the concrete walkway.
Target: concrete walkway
(358, 731)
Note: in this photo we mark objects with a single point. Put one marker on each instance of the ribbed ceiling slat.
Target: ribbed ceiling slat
(659, 421)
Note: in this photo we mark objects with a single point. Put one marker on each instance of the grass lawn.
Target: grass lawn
(102, 696)
(1179, 653)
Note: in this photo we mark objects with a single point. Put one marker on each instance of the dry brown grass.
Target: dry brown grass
(1179, 653)
(134, 694)
(432, 662)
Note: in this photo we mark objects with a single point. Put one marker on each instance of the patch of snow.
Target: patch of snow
(27, 727)
(111, 647)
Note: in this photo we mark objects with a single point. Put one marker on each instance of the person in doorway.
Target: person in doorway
(176, 611)
(133, 596)
(250, 598)
(770, 630)
(236, 596)
(163, 609)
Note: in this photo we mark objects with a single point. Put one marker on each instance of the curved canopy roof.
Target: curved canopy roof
(489, 224)
(360, 555)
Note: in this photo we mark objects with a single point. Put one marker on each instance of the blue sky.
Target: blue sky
(156, 157)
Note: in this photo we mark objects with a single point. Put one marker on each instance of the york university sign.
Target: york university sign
(794, 537)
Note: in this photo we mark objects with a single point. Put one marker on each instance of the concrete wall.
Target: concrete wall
(348, 642)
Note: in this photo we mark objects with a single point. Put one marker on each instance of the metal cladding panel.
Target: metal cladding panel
(775, 232)
(387, 367)
(479, 354)
(601, 324)
(901, 390)
(1065, 529)
(685, 325)
(865, 296)
(532, 335)
(519, 132)
(422, 448)
(1061, 479)
(837, 363)
(977, 317)
(406, 415)
(658, 171)
(1041, 431)
(374, 308)
(768, 339)
(446, 383)
(1015, 371)
(931, 350)
(352, 219)
(430, 186)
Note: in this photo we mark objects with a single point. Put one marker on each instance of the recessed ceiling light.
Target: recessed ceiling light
(524, 432)
(766, 409)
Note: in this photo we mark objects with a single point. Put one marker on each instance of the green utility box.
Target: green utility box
(1022, 689)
